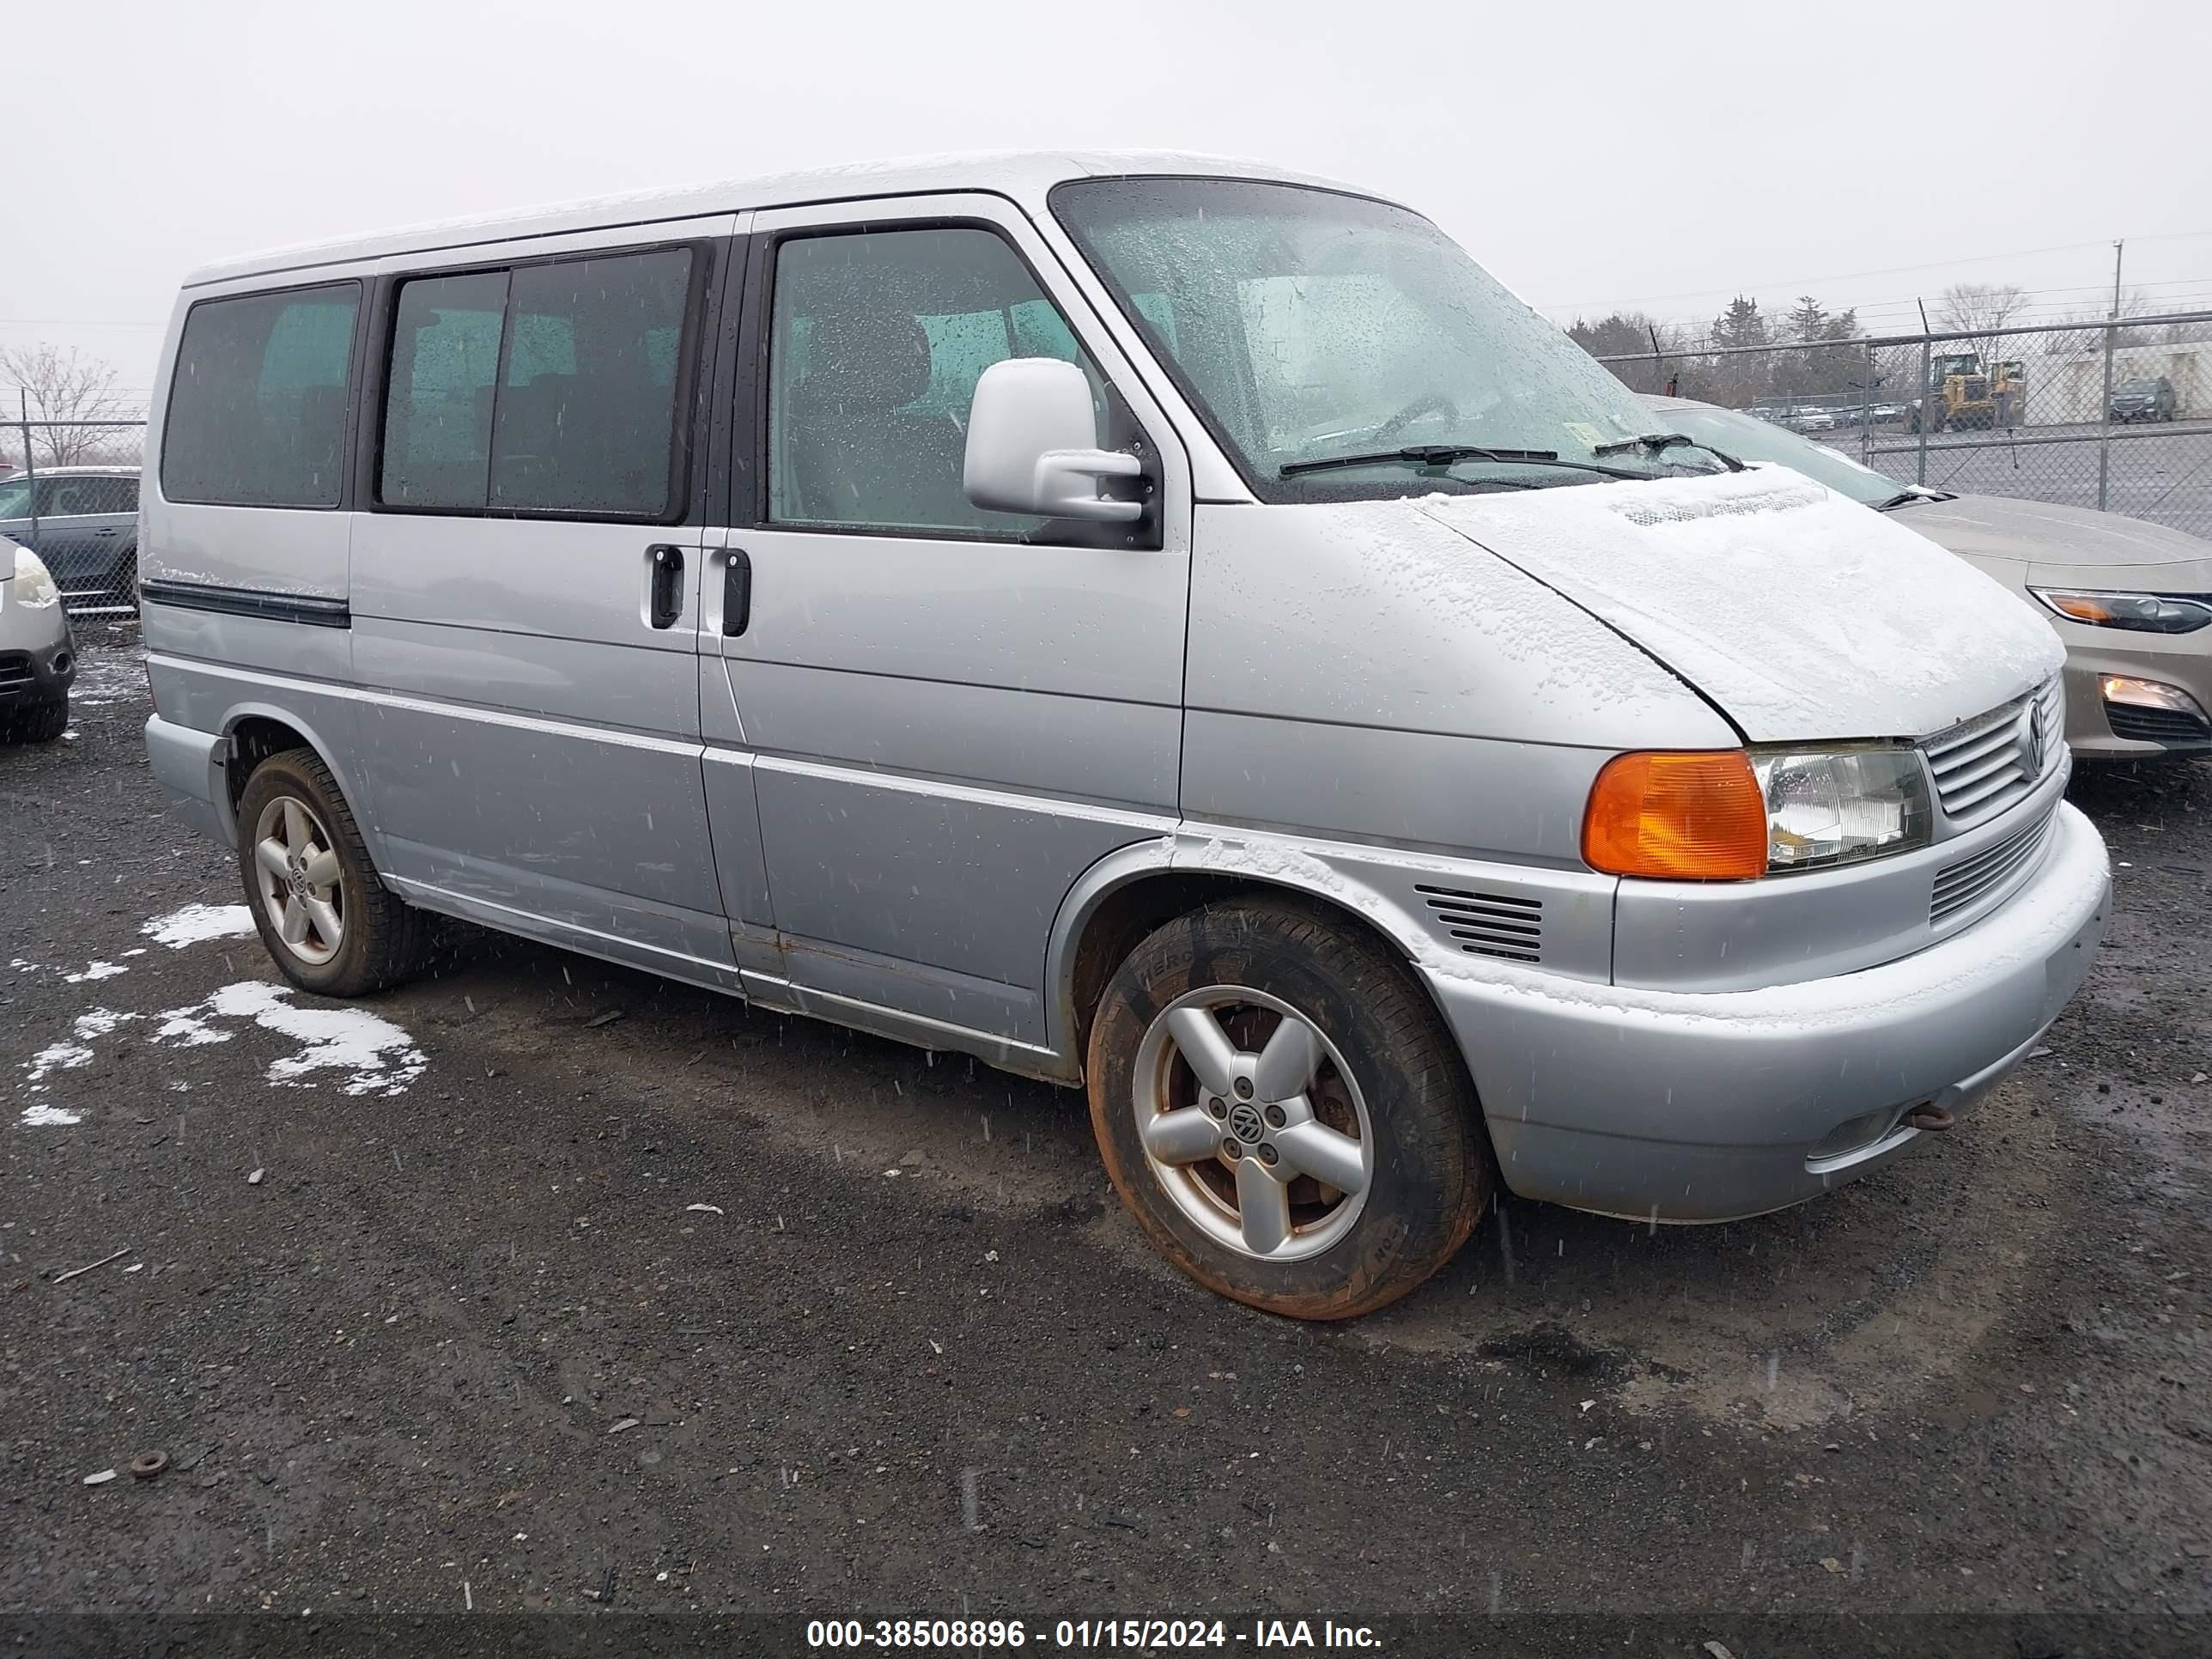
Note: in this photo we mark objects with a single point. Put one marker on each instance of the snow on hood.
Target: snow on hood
(2042, 532)
(1800, 613)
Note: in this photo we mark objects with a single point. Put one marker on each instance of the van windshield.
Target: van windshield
(1308, 325)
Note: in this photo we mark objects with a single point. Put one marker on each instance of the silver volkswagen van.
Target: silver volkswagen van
(1168, 627)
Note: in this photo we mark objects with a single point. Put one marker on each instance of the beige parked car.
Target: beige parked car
(2131, 600)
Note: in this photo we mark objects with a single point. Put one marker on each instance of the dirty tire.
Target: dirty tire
(385, 940)
(1431, 1162)
(40, 724)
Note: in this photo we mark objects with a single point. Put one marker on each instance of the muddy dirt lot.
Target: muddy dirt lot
(541, 1285)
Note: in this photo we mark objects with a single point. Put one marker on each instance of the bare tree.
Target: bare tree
(64, 388)
(2133, 302)
(1979, 309)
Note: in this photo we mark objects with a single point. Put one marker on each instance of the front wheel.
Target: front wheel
(1281, 1108)
(325, 917)
(41, 724)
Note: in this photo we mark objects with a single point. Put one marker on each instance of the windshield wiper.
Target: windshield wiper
(1657, 441)
(1447, 454)
(1912, 493)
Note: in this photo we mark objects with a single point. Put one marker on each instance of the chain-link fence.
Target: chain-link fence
(69, 491)
(2115, 416)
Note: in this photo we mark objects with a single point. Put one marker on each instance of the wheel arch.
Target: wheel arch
(252, 732)
(1135, 889)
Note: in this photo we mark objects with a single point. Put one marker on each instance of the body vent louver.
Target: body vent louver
(1488, 924)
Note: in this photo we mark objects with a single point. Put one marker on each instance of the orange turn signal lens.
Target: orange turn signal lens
(1698, 817)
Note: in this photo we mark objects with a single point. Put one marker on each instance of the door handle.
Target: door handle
(665, 603)
(107, 532)
(737, 591)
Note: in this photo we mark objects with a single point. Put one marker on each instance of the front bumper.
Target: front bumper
(2177, 660)
(40, 675)
(1683, 1106)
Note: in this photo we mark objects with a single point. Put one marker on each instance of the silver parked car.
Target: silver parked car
(83, 521)
(38, 659)
(2131, 601)
(1168, 627)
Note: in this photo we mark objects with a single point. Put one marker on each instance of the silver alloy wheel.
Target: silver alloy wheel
(1253, 1122)
(297, 873)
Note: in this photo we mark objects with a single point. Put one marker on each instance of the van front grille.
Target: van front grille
(1489, 924)
(1958, 886)
(15, 669)
(1983, 765)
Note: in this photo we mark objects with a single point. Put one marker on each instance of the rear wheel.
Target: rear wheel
(1282, 1110)
(326, 918)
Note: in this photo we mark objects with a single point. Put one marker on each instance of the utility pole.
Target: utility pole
(2105, 413)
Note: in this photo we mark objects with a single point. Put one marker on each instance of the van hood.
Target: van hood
(1798, 613)
(2040, 533)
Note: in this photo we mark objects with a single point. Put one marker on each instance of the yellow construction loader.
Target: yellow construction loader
(1961, 392)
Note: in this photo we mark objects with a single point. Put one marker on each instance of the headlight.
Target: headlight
(31, 585)
(2132, 693)
(2146, 613)
(1721, 815)
(1834, 806)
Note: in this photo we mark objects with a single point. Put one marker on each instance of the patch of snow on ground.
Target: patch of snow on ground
(185, 1027)
(96, 970)
(41, 1117)
(109, 677)
(67, 1056)
(60, 1057)
(375, 1055)
(198, 922)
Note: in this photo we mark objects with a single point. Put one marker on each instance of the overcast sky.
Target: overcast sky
(1592, 155)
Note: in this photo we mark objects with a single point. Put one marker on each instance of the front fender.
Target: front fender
(1416, 901)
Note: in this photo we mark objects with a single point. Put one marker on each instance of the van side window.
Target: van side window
(257, 402)
(587, 416)
(550, 388)
(438, 397)
(878, 340)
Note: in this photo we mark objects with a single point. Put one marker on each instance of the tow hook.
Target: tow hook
(1933, 1118)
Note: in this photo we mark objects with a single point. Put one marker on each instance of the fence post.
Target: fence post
(1920, 475)
(30, 462)
(2105, 420)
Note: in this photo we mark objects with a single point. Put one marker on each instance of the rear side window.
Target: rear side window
(257, 402)
(97, 494)
(549, 388)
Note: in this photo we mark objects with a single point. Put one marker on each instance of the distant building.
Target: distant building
(2062, 390)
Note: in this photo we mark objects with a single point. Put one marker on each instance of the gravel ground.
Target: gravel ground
(544, 1286)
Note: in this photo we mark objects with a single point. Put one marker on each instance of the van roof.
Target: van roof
(1024, 175)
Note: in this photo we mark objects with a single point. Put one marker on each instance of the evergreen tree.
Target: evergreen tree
(1629, 335)
(1808, 319)
(1741, 325)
